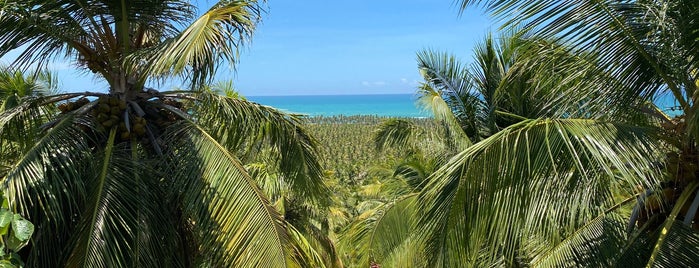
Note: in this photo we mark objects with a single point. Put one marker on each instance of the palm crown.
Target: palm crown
(138, 177)
(562, 159)
(597, 176)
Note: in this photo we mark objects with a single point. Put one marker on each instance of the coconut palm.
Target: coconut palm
(139, 177)
(383, 231)
(469, 103)
(601, 177)
(14, 86)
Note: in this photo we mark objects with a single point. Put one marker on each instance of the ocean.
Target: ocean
(390, 105)
(393, 105)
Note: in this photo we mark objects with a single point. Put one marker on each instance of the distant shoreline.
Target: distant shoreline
(385, 105)
(328, 95)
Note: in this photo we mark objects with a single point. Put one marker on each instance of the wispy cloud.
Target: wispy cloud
(412, 83)
(374, 83)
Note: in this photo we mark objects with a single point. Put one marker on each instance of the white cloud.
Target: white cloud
(374, 83)
(413, 83)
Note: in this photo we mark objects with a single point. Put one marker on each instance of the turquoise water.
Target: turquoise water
(395, 105)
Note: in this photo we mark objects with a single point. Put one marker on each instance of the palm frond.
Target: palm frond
(635, 39)
(232, 219)
(434, 101)
(65, 27)
(447, 93)
(242, 126)
(498, 189)
(55, 184)
(394, 132)
(679, 248)
(105, 233)
(659, 247)
(212, 38)
(596, 243)
(378, 233)
(303, 249)
(53, 162)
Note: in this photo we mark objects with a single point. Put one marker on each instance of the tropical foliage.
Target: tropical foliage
(546, 151)
(15, 232)
(138, 177)
(570, 163)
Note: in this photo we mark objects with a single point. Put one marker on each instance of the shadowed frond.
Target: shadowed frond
(106, 226)
(242, 127)
(680, 248)
(222, 201)
(394, 132)
(597, 243)
(384, 235)
(52, 162)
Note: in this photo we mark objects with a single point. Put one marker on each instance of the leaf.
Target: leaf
(486, 202)
(680, 248)
(22, 228)
(215, 36)
(6, 264)
(242, 126)
(6, 218)
(13, 243)
(241, 227)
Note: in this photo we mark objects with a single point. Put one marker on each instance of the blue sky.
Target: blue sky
(321, 47)
(352, 47)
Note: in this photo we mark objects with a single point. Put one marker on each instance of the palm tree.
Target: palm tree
(14, 86)
(138, 177)
(383, 232)
(598, 176)
(470, 103)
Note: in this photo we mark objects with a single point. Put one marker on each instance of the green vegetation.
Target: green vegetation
(563, 159)
(15, 232)
(141, 178)
(348, 151)
(547, 151)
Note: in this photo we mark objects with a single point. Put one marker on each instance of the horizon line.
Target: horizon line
(325, 94)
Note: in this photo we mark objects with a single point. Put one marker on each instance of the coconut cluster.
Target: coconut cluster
(70, 106)
(130, 122)
(111, 111)
(681, 169)
(163, 117)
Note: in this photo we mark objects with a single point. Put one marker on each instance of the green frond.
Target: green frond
(224, 204)
(378, 234)
(394, 132)
(303, 249)
(646, 45)
(679, 248)
(209, 40)
(539, 177)
(105, 227)
(447, 95)
(52, 162)
(659, 248)
(242, 127)
(273, 187)
(19, 125)
(597, 243)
